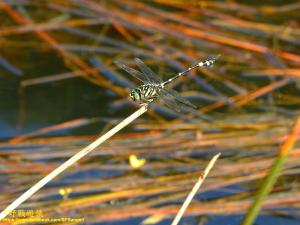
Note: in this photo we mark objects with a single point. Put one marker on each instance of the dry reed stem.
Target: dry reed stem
(194, 190)
(71, 161)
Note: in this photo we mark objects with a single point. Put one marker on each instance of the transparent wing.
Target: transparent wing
(140, 76)
(148, 72)
(178, 97)
(170, 102)
(179, 104)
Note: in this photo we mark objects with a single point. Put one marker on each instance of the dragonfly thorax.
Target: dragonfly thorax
(145, 93)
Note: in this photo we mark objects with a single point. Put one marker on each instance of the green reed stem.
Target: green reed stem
(271, 178)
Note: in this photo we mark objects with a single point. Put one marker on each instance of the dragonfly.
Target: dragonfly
(153, 87)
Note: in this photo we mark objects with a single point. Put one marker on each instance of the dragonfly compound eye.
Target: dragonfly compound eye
(134, 95)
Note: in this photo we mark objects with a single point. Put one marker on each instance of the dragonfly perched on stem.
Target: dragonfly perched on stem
(153, 87)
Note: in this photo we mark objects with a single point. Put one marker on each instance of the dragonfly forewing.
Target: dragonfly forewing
(137, 74)
(148, 72)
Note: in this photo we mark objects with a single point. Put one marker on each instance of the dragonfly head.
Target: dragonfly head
(134, 94)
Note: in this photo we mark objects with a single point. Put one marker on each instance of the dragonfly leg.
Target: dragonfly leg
(144, 104)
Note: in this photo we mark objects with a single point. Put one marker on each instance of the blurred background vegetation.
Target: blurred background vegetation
(59, 89)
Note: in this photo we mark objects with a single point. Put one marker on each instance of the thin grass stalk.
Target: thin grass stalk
(71, 161)
(194, 190)
(90, 74)
(271, 178)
